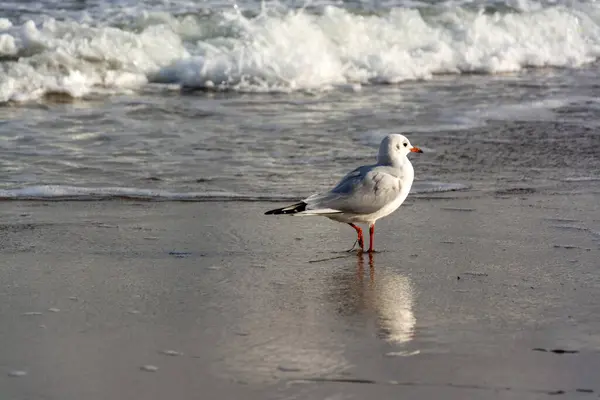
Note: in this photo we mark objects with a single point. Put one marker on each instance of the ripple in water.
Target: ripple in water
(172, 353)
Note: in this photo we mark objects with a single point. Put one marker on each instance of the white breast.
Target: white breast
(391, 207)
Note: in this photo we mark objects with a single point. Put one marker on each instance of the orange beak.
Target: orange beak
(416, 150)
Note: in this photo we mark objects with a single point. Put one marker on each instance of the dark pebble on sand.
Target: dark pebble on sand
(179, 254)
(556, 351)
(561, 351)
(515, 191)
(284, 368)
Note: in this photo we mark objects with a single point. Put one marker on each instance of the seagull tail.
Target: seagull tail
(293, 209)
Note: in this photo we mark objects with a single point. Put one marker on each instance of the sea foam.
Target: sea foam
(76, 59)
(79, 193)
(286, 50)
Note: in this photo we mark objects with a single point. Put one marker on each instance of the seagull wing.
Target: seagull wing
(363, 191)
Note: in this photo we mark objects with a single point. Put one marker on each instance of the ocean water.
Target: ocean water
(217, 100)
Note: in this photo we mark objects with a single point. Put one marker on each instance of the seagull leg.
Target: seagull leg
(371, 237)
(360, 239)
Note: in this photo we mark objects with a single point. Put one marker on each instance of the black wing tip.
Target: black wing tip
(293, 209)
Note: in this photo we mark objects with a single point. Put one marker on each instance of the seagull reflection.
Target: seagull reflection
(387, 294)
(302, 329)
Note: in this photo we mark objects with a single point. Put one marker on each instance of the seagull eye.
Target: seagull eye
(405, 144)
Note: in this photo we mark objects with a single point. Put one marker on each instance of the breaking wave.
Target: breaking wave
(277, 50)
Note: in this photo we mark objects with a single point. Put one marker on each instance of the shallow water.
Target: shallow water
(200, 101)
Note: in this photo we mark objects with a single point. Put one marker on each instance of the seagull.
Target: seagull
(368, 193)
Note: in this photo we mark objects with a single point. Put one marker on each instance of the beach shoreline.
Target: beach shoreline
(468, 295)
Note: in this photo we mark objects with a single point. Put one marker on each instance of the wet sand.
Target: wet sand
(471, 295)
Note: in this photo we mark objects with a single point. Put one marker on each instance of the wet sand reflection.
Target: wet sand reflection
(302, 329)
(376, 290)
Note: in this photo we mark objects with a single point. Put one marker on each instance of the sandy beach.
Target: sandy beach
(472, 294)
(142, 142)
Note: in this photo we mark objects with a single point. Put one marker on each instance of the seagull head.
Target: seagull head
(394, 147)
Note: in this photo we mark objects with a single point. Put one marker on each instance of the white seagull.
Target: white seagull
(366, 194)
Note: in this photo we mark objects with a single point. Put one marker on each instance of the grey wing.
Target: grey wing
(363, 191)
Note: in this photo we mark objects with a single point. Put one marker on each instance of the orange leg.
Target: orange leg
(371, 237)
(360, 240)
